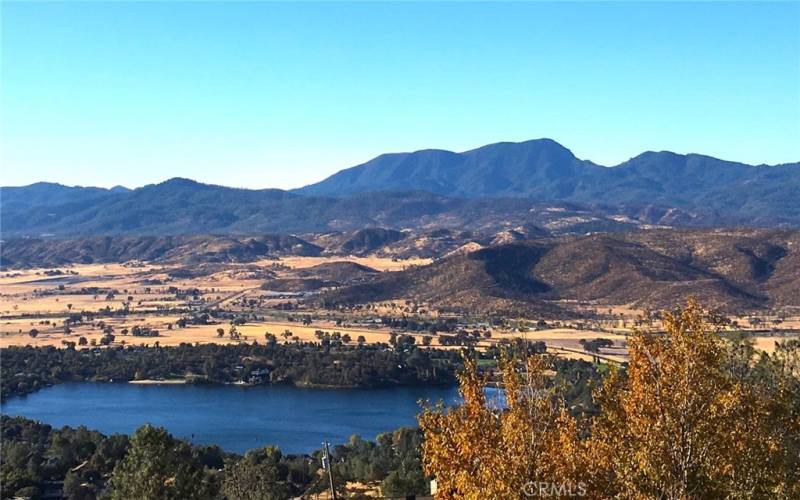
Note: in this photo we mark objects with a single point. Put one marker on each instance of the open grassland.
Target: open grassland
(15, 332)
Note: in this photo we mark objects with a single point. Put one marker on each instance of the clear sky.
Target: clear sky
(283, 94)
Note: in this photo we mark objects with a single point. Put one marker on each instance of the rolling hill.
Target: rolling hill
(48, 194)
(359, 242)
(734, 269)
(731, 269)
(53, 252)
(27, 252)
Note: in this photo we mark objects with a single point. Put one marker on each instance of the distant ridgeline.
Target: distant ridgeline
(515, 183)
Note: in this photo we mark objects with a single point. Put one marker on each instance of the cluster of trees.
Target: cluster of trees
(594, 345)
(37, 461)
(335, 338)
(26, 369)
(693, 415)
(394, 459)
(418, 325)
(143, 331)
(462, 338)
(402, 341)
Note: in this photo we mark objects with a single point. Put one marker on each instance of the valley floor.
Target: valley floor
(97, 299)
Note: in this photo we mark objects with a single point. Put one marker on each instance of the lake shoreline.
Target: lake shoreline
(175, 381)
(205, 382)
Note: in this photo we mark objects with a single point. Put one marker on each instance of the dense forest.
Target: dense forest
(26, 369)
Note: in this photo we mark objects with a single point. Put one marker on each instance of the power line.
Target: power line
(326, 463)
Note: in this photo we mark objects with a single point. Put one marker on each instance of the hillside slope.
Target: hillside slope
(542, 169)
(185, 249)
(731, 269)
(185, 207)
(48, 194)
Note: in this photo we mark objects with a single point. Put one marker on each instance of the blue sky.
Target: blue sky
(282, 94)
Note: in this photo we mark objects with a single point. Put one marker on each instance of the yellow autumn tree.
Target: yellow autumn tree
(691, 416)
(678, 425)
(477, 451)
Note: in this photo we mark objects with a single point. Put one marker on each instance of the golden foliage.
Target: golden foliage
(477, 452)
(678, 423)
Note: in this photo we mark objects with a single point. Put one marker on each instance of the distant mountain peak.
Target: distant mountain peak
(654, 154)
(499, 169)
(532, 145)
(42, 184)
(543, 170)
(180, 181)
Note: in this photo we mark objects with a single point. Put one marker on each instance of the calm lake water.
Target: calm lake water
(235, 418)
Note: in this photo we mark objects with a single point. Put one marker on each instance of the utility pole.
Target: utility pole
(326, 463)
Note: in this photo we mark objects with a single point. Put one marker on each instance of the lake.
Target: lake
(235, 418)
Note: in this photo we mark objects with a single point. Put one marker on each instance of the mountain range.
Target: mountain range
(546, 171)
(488, 189)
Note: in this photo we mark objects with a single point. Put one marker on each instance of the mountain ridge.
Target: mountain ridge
(503, 184)
(192, 209)
(546, 158)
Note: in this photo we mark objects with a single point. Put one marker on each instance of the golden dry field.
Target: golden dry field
(378, 263)
(42, 299)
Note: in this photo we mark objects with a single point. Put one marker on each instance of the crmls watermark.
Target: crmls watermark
(558, 490)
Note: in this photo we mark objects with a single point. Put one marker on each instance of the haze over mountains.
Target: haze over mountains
(496, 186)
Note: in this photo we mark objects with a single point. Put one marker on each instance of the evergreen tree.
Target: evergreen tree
(160, 467)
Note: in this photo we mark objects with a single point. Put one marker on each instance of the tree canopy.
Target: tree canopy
(693, 415)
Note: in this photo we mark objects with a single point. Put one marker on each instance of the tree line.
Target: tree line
(27, 369)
